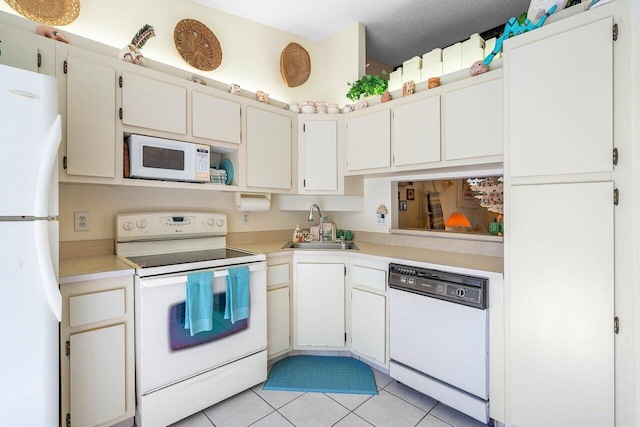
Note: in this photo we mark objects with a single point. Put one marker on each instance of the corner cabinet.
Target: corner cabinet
(318, 169)
(268, 150)
(369, 141)
(558, 156)
(319, 301)
(96, 351)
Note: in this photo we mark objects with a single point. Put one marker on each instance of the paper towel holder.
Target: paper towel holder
(240, 195)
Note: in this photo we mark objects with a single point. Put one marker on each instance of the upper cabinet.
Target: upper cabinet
(153, 104)
(416, 132)
(318, 154)
(18, 53)
(215, 118)
(268, 150)
(473, 124)
(560, 92)
(369, 141)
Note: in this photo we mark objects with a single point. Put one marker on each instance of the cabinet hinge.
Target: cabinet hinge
(615, 32)
(39, 60)
(120, 113)
(120, 81)
(345, 337)
(64, 67)
(68, 420)
(64, 162)
(304, 127)
(616, 325)
(345, 271)
(67, 348)
(304, 183)
(616, 196)
(615, 157)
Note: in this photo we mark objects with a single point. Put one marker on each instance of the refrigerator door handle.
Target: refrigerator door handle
(46, 168)
(45, 266)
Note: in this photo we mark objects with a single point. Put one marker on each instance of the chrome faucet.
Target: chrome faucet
(310, 219)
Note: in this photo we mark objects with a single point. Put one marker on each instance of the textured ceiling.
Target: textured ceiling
(396, 29)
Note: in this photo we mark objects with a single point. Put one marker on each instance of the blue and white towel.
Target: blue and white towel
(199, 302)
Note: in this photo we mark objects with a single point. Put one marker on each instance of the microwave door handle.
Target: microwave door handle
(177, 280)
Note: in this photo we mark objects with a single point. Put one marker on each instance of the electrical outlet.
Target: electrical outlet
(245, 218)
(381, 220)
(82, 221)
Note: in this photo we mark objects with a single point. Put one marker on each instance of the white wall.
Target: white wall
(105, 202)
(250, 51)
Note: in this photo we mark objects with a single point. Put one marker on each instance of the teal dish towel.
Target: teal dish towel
(237, 298)
(199, 302)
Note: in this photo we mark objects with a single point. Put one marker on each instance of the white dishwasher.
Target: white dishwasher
(439, 336)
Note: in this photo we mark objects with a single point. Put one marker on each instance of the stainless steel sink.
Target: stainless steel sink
(321, 245)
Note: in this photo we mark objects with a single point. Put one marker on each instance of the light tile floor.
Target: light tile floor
(396, 405)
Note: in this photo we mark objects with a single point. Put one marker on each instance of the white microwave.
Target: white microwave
(166, 159)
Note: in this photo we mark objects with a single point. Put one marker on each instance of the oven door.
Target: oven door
(165, 351)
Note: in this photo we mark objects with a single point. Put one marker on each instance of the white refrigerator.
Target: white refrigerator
(30, 300)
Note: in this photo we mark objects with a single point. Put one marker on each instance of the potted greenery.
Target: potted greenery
(368, 85)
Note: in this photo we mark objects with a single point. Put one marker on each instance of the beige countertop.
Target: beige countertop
(81, 268)
(396, 254)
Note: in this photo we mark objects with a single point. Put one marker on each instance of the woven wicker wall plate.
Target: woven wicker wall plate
(50, 12)
(295, 65)
(197, 45)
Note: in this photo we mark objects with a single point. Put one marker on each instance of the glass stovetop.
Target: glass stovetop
(161, 260)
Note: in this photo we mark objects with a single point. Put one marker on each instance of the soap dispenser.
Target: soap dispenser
(296, 234)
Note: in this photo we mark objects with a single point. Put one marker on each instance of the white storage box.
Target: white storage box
(433, 57)
(411, 69)
(431, 70)
(472, 50)
(395, 80)
(452, 58)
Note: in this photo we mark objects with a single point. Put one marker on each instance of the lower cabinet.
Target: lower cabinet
(319, 295)
(96, 352)
(369, 321)
(278, 306)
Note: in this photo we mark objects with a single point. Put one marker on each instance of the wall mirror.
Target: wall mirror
(464, 205)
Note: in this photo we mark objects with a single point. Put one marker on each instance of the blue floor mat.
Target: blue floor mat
(321, 374)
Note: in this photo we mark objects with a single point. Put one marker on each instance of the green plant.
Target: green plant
(369, 85)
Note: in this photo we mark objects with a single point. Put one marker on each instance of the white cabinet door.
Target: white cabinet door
(91, 119)
(560, 96)
(473, 121)
(277, 321)
(18, 53)
(416, 132)
(97, 368)
(153, 104)
(215, 118)
(319, 154)
(368, 324)
(319, 294)
(561, 284)
(268, 149)
(369, 141)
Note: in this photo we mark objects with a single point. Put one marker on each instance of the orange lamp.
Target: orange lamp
(459, 221)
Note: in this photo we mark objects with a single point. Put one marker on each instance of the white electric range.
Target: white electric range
(178, 374)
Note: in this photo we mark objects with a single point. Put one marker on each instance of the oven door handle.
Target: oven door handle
(175, 280)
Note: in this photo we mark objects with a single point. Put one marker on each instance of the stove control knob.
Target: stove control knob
(220, 222)
(128, 225)
(141, 223)
(211, 222)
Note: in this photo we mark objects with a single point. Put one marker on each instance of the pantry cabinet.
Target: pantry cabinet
(268, 150)
(319, 295)
(279, 279)
(473, 124)
(369, 141)
(416, 132)
(153, 104)
(96, 350)
(559, 300)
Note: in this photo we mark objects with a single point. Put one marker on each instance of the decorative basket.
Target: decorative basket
(50, 12)
(295, 65)
(197, 45)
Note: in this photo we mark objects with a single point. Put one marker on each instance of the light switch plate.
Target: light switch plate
(82, 221)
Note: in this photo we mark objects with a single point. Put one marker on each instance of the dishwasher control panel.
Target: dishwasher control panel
(457, 288)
